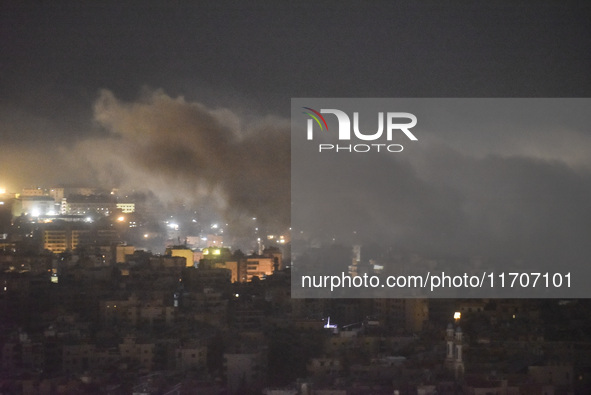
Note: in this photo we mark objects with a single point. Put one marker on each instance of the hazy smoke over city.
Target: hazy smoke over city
(183, 151)
(513, 188)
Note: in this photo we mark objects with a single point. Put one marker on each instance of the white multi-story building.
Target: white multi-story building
(85, 205)
(126, 208)
(34, 206)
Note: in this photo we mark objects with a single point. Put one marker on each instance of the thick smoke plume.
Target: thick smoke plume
(183, 151)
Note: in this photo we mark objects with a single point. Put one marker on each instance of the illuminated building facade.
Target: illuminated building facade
(126, 208)
(222, 258)
(237, 269)
(260, 267)
(93, 204)
(242, 268)
(34, 206)
(58, 240)
(183, 252)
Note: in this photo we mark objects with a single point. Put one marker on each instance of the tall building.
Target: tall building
(89, 204)
(58, 239)
(35, 206)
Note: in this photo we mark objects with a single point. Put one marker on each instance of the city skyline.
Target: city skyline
(191, 102)
(189, 286)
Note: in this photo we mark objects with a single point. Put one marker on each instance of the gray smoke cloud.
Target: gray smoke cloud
(184, 151)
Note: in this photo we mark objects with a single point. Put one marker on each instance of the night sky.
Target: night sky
(193, 99)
